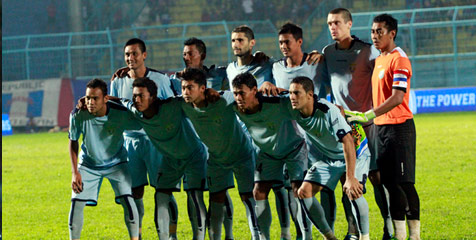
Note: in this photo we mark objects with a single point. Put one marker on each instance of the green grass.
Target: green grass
(37, 187)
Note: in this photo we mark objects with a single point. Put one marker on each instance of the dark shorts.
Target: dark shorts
(396, 152)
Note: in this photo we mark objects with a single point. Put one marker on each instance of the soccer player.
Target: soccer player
(348, 66)
(292, 65)
(395, 127)
(326, 127)
(102, 156)
(229, 147)
(277, 139)
(143, 157)
(194, 54)
(184, 154)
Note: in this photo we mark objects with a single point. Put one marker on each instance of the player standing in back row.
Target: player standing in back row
(395, 126)
(347, 68)
(143, 157)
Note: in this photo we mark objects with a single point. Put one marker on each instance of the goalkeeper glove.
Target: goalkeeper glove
(354, 116)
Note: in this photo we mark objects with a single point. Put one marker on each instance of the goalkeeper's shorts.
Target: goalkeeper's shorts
(396, 152)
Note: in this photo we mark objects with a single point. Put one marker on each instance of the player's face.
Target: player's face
(192, 57)
(241, 45)
(381, 37)
(338, 28)
(245, 97)
(95, 101)
(192, 92)
(288, 45)
(141, 98)
(298, 96)
(134, 57)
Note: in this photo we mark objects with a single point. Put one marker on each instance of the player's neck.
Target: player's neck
(138, 73)
(294, 60)
(200, 102)
(387, 50)
(344, 43)
(102, 112)
(150, 111)
(307, 110)
(244, 60)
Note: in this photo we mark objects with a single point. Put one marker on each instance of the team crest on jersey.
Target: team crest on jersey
(381, 74)
(218, 119)
(352, 67)
(271, 126)
(169, 127)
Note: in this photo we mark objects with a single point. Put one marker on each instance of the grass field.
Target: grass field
(37, 174)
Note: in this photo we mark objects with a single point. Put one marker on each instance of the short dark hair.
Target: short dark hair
(194, 74)
(344, 11)
(390, 22)
(291, 28)
(246, 30)
(133, 41)
(147, 83)
(98, 83)
(245, 78)
(305, 82)
(202, 49)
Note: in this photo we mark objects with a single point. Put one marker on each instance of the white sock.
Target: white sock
(400, 229)
(263, 214)
(414, 229)
(161, 217)
(216, 216)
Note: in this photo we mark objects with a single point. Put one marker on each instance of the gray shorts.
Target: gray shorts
(220, 175)
(144, 159)
(327, 172)
(269, 168)
(118, 176)
(192, 170)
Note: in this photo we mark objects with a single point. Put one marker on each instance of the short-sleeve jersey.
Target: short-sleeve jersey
(349, 72)
(169, 130)
(122, 88)
(102, 145)
(392, 71)
(217, 126)
(216, 79)
(325, 128)
(261, 72)
(283, 75)
(272, 128)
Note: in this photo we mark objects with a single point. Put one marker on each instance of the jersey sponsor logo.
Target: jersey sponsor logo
(381, 74)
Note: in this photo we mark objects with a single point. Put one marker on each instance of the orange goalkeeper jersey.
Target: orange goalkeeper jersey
(392, 71)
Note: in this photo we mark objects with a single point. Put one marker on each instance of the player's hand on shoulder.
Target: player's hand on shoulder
(81, 105)
(77, 183)
(260, 57)
(179, 74)
(212, 95)
(268, 89)
(120, 73)
(314, 57)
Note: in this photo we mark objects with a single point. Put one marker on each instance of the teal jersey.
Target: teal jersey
(283, 75)
(261, 72)
(272, 128)
(168, 130)
(349, 73)
(325, 128)
(216, 79)
(122, 88)
(218, 127)
(102, 145)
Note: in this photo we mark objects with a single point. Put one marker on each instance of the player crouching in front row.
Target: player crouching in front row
(102, 155)
(327, 128)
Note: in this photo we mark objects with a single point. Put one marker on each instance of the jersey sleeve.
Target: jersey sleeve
(75, 125)
(337, 122)
(130, 121)
(176, 84)
(228, 97)
(165, 88)
(113, 87)
(401, 74)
